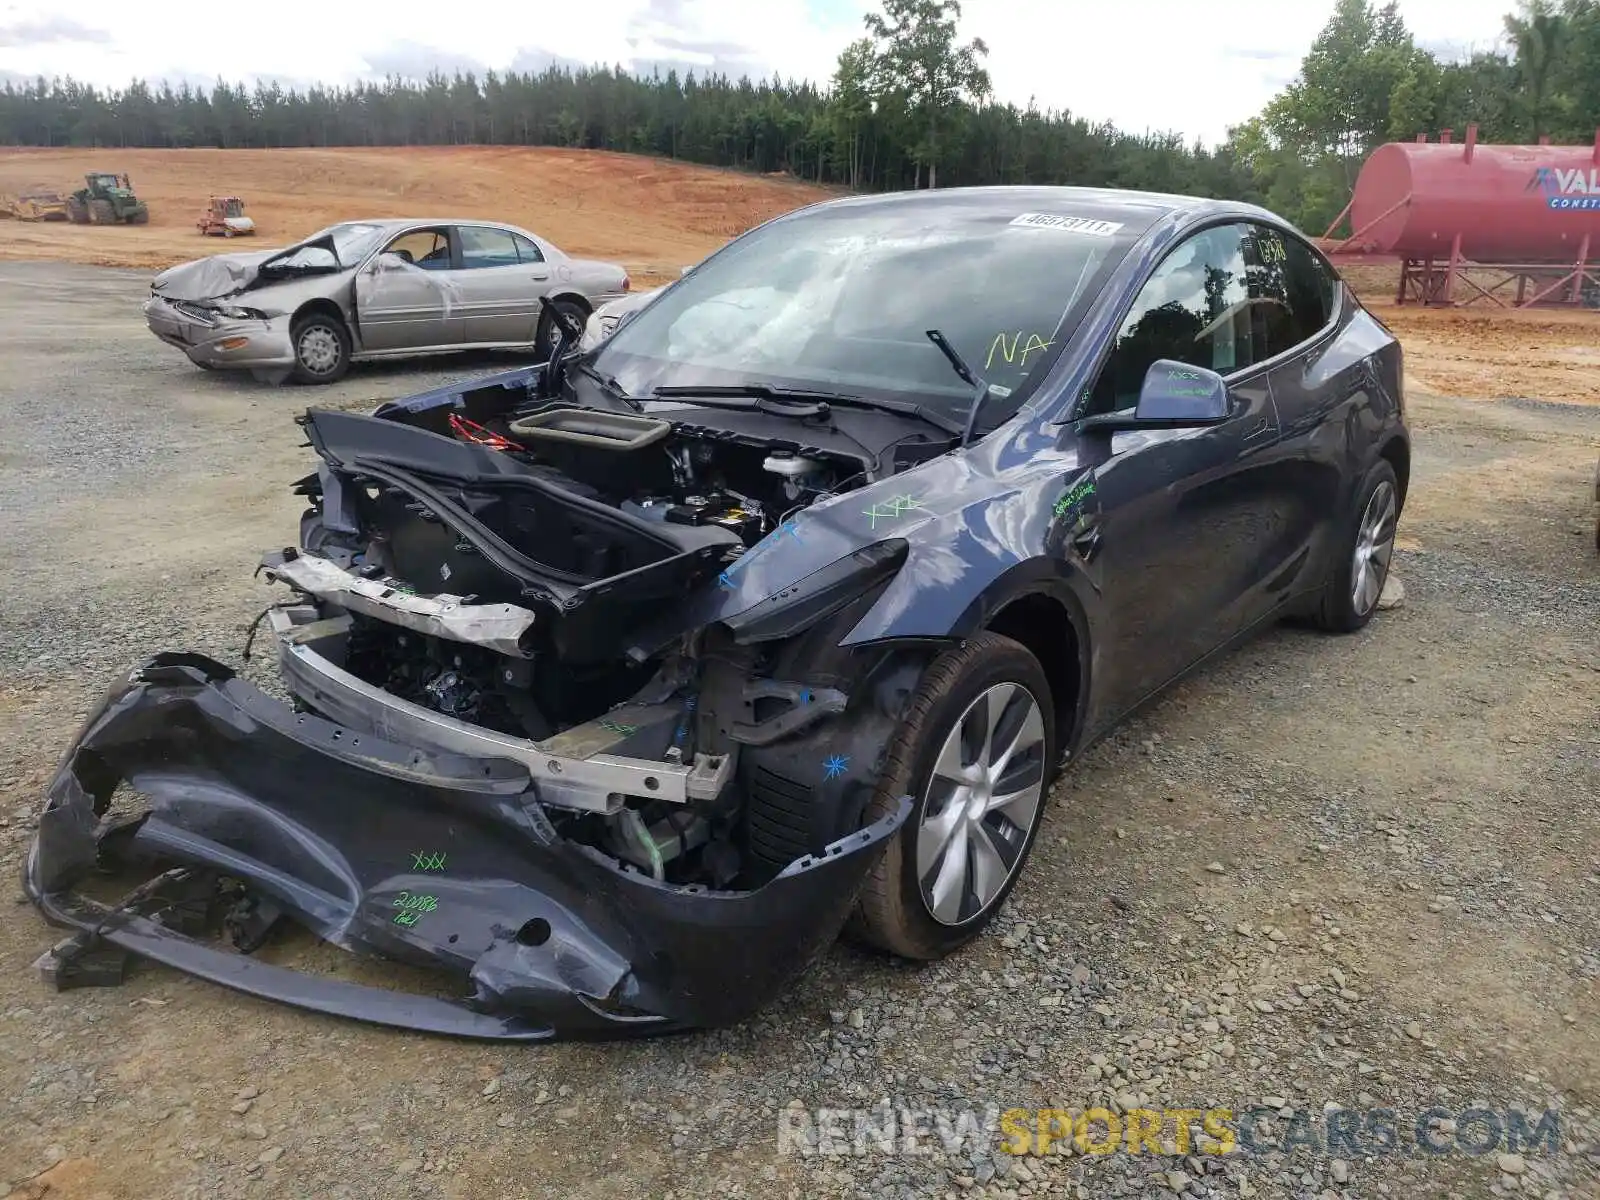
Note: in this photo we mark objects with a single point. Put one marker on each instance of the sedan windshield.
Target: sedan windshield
(841, 299)
(352, 242)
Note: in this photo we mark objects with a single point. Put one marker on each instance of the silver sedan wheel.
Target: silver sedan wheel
(982, 802)
(319, 350)
(1374, 548)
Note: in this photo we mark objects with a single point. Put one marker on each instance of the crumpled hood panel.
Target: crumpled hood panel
(211, 278)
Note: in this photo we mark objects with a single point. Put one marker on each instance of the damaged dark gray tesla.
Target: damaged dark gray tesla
(622, 685)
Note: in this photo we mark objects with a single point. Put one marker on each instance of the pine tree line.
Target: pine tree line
(833, 136)
(907, 106)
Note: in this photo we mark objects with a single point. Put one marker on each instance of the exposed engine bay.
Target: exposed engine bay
(520, 567)
(715, 497)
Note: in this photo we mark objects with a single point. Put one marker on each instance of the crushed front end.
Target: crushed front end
(530, 711)
(256, 812)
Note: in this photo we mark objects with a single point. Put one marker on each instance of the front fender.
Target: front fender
(965, 566)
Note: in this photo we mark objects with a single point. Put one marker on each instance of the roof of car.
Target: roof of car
(1135, 208)
(402, 222)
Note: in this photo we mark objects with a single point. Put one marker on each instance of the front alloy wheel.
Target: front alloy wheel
(976, 750)
(982, 801)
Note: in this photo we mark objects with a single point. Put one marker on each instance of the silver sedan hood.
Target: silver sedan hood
(211, 278)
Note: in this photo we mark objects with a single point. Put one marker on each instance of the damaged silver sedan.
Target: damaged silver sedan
(366, 290)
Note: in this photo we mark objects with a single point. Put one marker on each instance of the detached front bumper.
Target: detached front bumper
(216, 341)
(442, 860)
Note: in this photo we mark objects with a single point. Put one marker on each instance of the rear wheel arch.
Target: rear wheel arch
(544, 331)
(578, 299)
(1398, 455)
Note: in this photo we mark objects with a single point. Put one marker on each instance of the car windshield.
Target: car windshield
(352, 242)
(841, 298)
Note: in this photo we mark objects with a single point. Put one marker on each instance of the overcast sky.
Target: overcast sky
(1190, 66)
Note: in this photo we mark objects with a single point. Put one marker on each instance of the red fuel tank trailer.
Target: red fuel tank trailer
(1457, 214)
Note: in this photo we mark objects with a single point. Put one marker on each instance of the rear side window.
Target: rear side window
(1313, 288)
(1275, 317)
(527, 250)
(1295, 274)
(483, 247)
(1202, 306)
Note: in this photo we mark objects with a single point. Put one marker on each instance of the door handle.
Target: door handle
(1087, 542)
(1261, 430)
(541, 276)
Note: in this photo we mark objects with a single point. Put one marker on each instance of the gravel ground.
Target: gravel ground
(1329, 873)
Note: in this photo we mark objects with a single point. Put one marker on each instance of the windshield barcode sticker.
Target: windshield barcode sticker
(1068, 224)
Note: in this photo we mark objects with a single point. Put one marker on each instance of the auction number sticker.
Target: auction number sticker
(1068, 224)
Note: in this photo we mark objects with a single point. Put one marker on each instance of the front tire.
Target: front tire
(976, 750)
(321, 349)
(1366, 548)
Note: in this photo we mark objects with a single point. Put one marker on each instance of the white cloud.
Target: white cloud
(1176, 65)
(1193, 68)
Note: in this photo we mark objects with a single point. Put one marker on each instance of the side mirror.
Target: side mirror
(1175, 392)
(1174, 396)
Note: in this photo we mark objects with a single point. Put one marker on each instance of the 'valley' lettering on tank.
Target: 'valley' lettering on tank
(1566, 188)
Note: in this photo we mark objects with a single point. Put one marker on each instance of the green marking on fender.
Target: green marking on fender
(1075, 497)
(413, 907)
(889, 509)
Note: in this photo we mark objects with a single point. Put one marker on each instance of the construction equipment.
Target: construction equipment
(225, 215)
(107, 199)
(34, 204)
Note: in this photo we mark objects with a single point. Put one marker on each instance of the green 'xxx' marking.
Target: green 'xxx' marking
(889, 509)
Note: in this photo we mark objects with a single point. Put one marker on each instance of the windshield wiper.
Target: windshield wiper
(979, 385)
(760, 391)
(796, 396)
(761, 397)
(609, 385)
(906, 408)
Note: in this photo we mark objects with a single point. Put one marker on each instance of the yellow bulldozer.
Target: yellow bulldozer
(34, 204)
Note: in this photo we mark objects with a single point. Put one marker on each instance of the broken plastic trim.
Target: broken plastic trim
(822, 593)
(347, 834)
